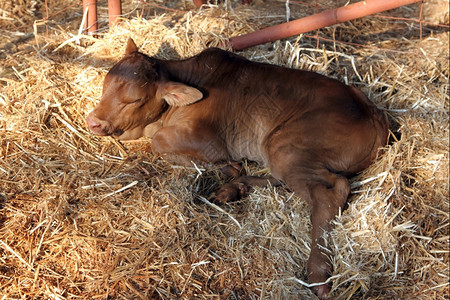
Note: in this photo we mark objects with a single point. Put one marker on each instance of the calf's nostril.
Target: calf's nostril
(92, 123)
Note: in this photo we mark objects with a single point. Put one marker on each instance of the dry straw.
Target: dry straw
(84, 217)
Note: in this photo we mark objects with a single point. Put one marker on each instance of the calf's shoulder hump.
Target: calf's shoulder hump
(216, 56)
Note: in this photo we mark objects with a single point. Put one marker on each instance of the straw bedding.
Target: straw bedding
(85, 217)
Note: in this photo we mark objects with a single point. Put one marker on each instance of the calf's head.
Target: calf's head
(135, 94)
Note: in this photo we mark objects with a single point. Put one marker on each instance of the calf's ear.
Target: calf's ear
(178, 94)
(131, 47)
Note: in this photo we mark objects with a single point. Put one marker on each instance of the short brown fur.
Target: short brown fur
(312, 131)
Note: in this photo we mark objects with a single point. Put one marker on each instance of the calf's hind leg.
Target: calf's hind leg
(326, 193)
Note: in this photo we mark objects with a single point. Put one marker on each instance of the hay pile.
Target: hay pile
(89, 217)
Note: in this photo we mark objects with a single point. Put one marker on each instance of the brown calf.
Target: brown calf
(312, 131)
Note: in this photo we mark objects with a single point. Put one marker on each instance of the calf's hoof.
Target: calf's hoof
(319, 270)
(231, 191)
(322, 291)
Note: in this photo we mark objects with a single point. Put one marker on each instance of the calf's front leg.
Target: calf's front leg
(240, 186)
(184, 145)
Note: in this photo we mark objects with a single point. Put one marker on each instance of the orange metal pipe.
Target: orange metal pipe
(114, 11)
(310, 23)
(90, 24)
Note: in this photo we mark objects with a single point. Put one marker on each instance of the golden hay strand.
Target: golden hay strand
(90, 217)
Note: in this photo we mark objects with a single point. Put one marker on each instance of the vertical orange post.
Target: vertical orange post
(90, 25)
(114, 11)
(199, 3)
